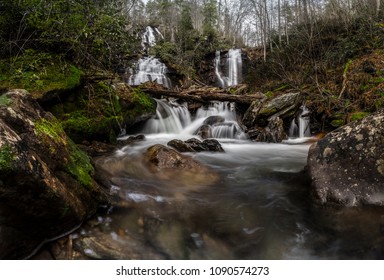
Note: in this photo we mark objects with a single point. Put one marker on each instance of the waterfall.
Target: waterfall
(172, 117)
(228, 72)
(149, 68)
(148, 39)
(302, 128)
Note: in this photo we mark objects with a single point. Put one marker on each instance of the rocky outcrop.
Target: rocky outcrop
(46, 182)
(264, 117)
(347, 165)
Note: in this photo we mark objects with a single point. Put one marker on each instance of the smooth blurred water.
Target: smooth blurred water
(253, 203)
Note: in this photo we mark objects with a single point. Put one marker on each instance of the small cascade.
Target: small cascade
(301, 129)
(304, 128)
(228, 72)
(149, 68)
(170, 118)
(219, 118)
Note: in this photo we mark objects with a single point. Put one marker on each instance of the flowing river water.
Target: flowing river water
(258, 208)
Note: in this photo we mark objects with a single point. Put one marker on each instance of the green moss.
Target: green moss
(88, 126)
(347, 65)
(39, 73)
(53, 129)
(358, 116)
(337, 123)
(78, 163)
(143, 100)
(4, 100)
(6, 158)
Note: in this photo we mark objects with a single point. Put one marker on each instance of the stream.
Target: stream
(259, 208)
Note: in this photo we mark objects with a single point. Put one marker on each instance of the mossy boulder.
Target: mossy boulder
(46, 182)
(44, 75)
(347, 165)
(102, 109)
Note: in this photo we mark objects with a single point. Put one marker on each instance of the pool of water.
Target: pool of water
(258, 208)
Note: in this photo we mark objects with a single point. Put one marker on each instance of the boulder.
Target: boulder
(166, 164)
(46, 182)
(268, 113)
(347, 165)
(272, 133)
(180, 146)
(211, 120)
(208, 145)
(204, 131)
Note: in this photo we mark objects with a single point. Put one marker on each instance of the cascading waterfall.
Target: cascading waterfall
(148, 39)
(301, 129)
(172, 117)
(149, 68)
(228, 72)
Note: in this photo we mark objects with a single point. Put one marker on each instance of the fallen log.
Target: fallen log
(205, 94)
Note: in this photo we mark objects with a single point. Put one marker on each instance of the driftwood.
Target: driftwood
(205, 94)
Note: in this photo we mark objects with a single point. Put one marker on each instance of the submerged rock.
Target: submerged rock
(347, 165)
(46, 182)
(169, 165)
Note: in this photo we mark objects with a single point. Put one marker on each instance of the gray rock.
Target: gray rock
(261, 111)
(347, 165)
(180, 146)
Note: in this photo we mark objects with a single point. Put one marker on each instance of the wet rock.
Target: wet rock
(46, 182)
(162, 157)
(347, 165)
(211, 120)
(213, 145)
(204, 131)
(272, 133)
(208, 145)
(264, 113)
(131, 140)
(180, 146)
(167, 164)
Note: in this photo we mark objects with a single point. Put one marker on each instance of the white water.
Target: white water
(149, 68)
(149, 37)
(173, 118)
(302, 128)
(229, 72)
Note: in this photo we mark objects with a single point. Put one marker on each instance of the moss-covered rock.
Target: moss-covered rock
(46, 183)
(101, 109)
(43, 74)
